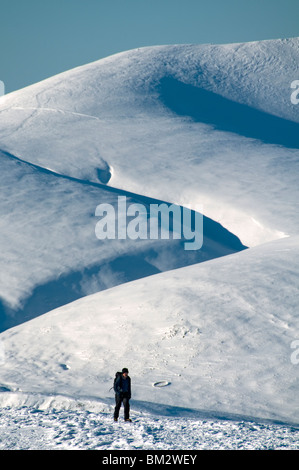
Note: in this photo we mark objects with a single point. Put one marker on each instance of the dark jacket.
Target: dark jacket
(118, 386)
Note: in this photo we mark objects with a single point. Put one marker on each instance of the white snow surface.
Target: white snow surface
(61, 423)
(218, 330)
(116, 115)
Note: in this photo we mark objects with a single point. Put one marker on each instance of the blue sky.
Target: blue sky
(40, 38)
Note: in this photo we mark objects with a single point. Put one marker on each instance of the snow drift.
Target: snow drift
(209, 125)
(217, 332)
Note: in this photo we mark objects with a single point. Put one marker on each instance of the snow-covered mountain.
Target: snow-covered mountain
(211, 126)
(218, 332)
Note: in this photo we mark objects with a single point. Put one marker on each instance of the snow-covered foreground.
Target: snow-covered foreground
(72, 425)
(215, 332)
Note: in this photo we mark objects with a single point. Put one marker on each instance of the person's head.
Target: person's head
(125, 372)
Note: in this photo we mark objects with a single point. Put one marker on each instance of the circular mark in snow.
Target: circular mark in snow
(162, 383)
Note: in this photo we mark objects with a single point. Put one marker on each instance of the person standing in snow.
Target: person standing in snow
(122, 389)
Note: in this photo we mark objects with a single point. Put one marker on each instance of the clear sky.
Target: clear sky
(40, 38)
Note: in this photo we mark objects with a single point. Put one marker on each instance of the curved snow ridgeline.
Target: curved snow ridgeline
(203, 125)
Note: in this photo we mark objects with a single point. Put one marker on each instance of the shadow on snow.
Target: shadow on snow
(226, 115)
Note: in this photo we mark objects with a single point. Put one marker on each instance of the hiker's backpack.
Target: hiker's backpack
(117, 375)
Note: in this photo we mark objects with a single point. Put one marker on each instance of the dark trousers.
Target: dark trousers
(119, 399)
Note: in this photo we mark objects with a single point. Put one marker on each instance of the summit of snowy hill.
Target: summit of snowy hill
(174, 123)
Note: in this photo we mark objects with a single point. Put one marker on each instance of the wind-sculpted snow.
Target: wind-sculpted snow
(226, 115)
(220, 333)
(210, 126)
(109, 116)
(50, 254)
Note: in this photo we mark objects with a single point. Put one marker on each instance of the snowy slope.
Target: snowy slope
(174, 123)
(51, 255)
(191, 125)
(218, 332)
